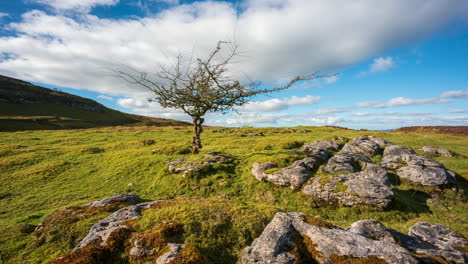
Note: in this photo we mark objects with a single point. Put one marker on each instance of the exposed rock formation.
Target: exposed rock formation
(187, 167)
(370, 186)
(173, 251)
(438, 151)
(346, 162)
(295, 175)
(416, 168)
(125, 198)
(366, 145)
(100, 231)
(365, 239)
(321, 148)
(275, 246)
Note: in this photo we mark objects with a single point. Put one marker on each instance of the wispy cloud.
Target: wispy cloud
(458, 111)
(390, 113)
(278, 104)
(458, 94)
(105, 97)
(75, 5)
(332, 110)
(402, 101)
(380, 64)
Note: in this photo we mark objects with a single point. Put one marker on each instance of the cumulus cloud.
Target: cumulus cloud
(279, 39)
(250, 119)
(2, 14)
(379, 65)
(105, 97)
(331, 79)
(278, 104)
(75, 5)
(323, 120)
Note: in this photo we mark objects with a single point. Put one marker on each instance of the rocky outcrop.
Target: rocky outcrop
(172, 251)
(121, 198)
(438, 151)
(188, 167)
(428, 241)
(366, 241)
(321, 148)
(99, 232)
(324, 244)
(295, 175)
(370, 186)
(346, 162)
(366, 145)
(418, 169)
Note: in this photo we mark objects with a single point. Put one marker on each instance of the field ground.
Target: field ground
(48, 170)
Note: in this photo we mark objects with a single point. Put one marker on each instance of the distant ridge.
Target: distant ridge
(454, 130)
(24, 106)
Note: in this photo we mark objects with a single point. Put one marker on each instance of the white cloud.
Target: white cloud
(390, 113)
(331, 79)
(75, 5)
(382, 64)
(332, 110)
(250, 119)
(458, 111)
(323, 120)
(458, 94)
(278, 39)
(2, 15)
(402, 101)
(278, 104)
(379, 65)
(134, 103)
(105, 97)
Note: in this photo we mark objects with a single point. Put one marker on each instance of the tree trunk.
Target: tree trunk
(197, 129)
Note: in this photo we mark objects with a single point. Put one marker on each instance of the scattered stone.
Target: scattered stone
(173, 251)
(223, 196)
(321, 148)
(398, 151)
(295, 175)
(346, 162)
(370, 186)
(323, 244)
(418, 169)
(123, 198)
(366, 145)
(188, 167)
(257, 134)
(438, 151)
(216, 157)
(372, 229)
(99, 232)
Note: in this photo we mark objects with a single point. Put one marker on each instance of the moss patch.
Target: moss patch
(337, 259)
(315, 221)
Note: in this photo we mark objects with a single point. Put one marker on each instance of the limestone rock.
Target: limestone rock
(370, 186)
(418, 169)
(372, 229)
(430, 176)
(442, 238)
(167, 257)
(100, 231)
(321, 145)
(366, 145)
(438, 151)
(125, 198)
(274, 244)
(346, 162)
(398, 150)
(295, 175)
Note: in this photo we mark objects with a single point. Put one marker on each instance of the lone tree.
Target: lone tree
(200, 86)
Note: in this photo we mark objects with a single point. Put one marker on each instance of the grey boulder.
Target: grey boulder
(295, 175)
(346, 162)
(438, 151)
(370, 186)
(274, 244)
(366, 145)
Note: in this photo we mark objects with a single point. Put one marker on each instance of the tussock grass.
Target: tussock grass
(45, 171)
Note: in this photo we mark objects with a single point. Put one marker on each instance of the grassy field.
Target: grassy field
(45, 171)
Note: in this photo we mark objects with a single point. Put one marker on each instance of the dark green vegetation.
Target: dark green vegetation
(24, 106)
(45, 171)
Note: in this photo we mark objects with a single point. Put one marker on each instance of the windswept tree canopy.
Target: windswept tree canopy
(201, 85)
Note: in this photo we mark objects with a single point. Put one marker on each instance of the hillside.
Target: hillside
(454, 130)
(24, 106)
(216, 211)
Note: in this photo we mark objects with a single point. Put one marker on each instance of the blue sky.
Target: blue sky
(399, 63)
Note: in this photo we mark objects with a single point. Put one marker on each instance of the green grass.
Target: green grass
(45, 171)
